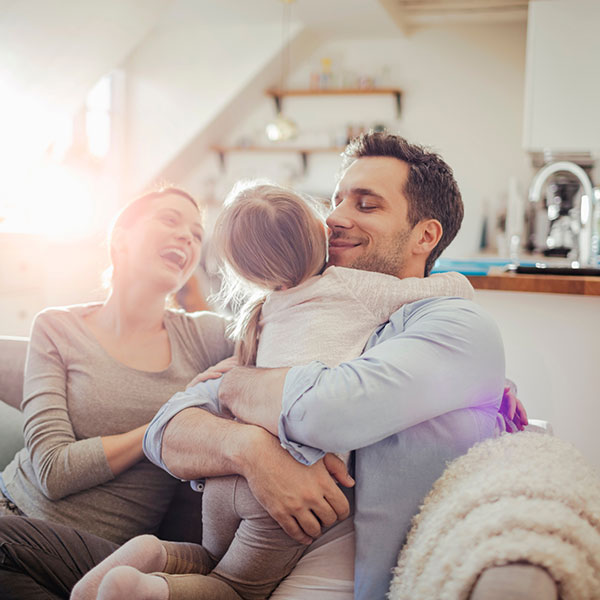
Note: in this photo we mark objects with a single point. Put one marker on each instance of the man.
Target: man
(426, 389)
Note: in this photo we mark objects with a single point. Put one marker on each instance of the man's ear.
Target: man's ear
(429, 233)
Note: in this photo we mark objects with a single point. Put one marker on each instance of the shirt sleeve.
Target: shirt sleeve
(203, 395)
(62, 464)
(434, 357)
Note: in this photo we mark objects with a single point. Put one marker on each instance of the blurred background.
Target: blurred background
(102, 100)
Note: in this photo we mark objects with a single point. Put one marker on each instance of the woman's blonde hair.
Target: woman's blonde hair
(269, 238)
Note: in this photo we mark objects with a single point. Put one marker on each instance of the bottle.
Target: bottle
(325, 82)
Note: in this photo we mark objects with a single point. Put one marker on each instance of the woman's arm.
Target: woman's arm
(124, 450)
(64, 465)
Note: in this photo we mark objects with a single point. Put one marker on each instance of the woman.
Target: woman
(97, 373)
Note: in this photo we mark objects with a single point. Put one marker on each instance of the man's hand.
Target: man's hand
(513, 410)
(301, 499)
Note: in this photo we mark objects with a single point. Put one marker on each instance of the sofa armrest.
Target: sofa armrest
(518, 581)
(12, 365)
(11, 433)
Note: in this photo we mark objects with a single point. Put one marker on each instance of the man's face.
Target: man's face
(369, 224)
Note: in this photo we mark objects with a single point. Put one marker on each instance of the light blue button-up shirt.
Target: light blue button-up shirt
(427, 387)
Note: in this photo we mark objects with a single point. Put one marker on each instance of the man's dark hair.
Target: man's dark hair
(431, 190)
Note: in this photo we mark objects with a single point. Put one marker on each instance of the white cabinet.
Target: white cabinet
(551, 349)
(562, 87)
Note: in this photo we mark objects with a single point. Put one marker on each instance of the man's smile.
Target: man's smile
(342, 243)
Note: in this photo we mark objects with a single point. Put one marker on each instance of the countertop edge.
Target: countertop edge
(547, 284)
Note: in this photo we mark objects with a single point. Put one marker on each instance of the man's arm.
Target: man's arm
(237, 393)
(444, 355)
(191, 443)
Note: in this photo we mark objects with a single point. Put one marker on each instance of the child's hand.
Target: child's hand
(215, 371)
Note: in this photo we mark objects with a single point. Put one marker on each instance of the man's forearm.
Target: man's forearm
(254, 395)
(301, 499)
(198, 444)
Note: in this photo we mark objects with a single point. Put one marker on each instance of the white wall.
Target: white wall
(36, 272)
(463, 95)
(180, 79)
(551, 345)
(51, 54)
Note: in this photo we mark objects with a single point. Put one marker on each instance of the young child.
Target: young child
(274, 246)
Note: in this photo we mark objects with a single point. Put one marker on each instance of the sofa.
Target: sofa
(511, 581)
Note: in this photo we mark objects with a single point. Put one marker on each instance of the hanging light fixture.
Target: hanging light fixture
(282, 128)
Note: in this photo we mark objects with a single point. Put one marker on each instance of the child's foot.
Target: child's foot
(127, 582)
(145, 553)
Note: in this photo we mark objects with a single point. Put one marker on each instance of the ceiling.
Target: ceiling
(427, 12)
(356, 16)
(353, 16)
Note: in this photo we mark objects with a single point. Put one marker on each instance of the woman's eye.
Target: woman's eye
(169, 220)
(198, 237)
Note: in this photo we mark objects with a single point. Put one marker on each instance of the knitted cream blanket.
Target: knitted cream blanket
(520, 497)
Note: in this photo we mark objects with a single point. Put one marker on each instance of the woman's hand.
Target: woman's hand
(123, 450)
(215, 371)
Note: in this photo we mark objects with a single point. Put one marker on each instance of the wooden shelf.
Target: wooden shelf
(304, 152)
(278, 94)
(330, 91)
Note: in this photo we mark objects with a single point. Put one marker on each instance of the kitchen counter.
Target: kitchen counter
(487, 273)
(548, 284)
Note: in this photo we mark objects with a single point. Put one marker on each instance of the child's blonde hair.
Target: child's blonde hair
(271, 238)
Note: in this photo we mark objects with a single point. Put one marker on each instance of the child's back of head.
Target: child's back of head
(271, 238)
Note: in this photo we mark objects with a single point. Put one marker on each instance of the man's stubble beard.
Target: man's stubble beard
(392, 261)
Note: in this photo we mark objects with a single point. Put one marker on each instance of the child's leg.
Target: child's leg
(194, 587)
(220, 518)
(261, 553)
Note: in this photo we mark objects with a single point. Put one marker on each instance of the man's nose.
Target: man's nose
(339, 218)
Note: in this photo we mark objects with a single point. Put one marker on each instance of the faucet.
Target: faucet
(585, 255)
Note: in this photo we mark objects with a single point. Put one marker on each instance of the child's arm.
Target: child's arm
(215, 371)
(384, 294)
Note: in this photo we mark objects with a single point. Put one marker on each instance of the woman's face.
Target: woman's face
(163, 245)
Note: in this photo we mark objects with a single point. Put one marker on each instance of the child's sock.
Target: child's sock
(145, 553)
(127, 582)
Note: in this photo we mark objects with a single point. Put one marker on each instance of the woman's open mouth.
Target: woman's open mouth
(174, 257)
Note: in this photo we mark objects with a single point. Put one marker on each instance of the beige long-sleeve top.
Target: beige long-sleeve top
(331, 316)
(74, 393)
